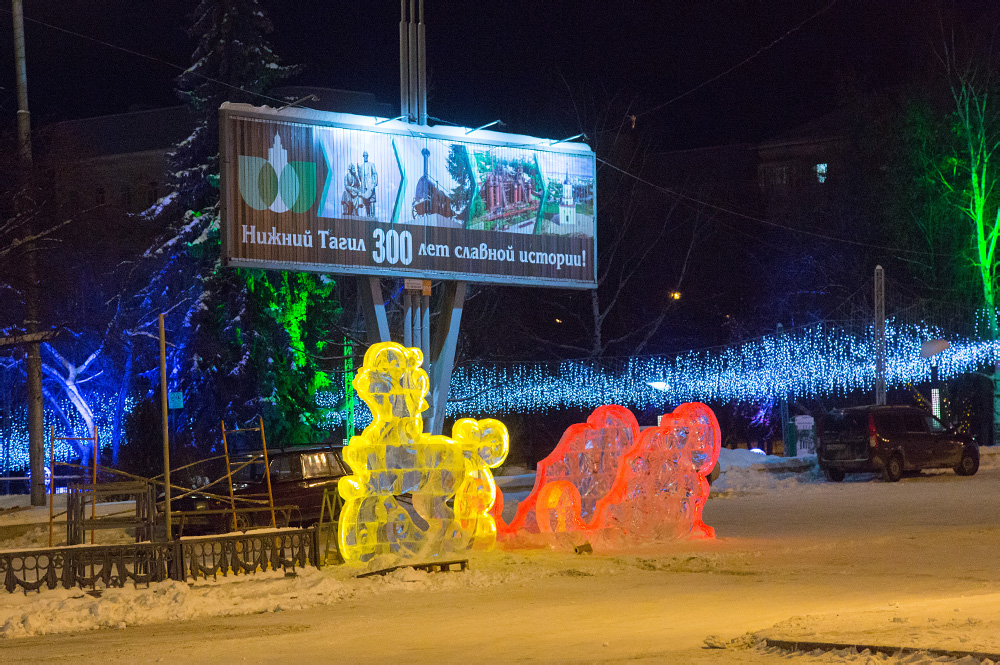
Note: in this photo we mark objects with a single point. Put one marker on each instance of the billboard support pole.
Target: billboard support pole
(376, 321)
(418, 329)
(404, 62)
(425, 338)
(443, 353)
(421, 69)
(407, 319)
(412, 52)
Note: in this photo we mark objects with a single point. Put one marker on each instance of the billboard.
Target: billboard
(340, 193)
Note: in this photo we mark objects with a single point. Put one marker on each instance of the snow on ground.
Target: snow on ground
(24, 526)
(71, 610)
(908, 564)
(17, 509)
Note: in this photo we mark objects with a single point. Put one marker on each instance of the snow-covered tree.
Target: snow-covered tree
(243, 342)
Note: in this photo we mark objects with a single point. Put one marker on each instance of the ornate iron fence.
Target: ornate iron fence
(109, 566)
(89, 566)
(246, 553)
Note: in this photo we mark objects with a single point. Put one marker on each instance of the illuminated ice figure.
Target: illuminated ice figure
(662, 488)
(413, 495)
(581, 470)
(605, 475)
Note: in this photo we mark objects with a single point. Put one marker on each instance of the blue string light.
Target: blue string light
(807, 362)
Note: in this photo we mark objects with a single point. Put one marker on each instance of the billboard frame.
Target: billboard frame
(392, 127)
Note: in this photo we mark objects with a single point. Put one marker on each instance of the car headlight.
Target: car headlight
(201, 505)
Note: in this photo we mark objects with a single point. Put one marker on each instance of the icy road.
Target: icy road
(909, 564)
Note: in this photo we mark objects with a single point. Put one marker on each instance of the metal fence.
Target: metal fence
(110, 566)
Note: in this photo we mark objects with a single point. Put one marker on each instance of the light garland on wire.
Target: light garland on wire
(14, 452)
(810, 362)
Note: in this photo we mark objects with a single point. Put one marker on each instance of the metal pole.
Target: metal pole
(425, 338)
(407, 319)
(404, 62)
(93, 489)
(935, 390)
(349, 388)
(418, 333)
(879, 336)
(421, 69)
(166, 429)
(36, 419)
(412, 51)
(267, 472)
(373, 307)
(52, 481)
(229, 474)
(20, 65)
(444, 346)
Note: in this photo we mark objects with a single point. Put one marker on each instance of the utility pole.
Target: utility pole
(36, 435)
(164, 407)
(879, 336)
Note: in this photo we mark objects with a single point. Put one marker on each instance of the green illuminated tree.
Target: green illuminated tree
(969, 177)
(959, 164)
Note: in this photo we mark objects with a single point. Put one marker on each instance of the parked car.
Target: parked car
(892, 440)
(299, 477)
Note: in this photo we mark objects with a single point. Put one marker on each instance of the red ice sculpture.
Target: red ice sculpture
(604, 474)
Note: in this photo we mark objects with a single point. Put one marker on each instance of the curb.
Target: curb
(794, 645)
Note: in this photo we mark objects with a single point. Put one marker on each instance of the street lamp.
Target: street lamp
(929, 349)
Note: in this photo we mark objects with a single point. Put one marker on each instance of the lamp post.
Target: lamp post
(930, 349)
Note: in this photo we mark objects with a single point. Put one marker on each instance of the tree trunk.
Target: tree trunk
(123, 389)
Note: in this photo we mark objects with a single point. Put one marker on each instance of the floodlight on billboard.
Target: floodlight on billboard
(334, 192)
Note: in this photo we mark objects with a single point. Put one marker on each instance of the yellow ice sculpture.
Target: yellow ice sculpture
(412, 495)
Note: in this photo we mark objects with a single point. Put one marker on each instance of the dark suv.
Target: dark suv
(893, 440)
(299, 477)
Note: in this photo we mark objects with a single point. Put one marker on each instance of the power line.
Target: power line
(148, 57)
(766, 222)
(754, 56)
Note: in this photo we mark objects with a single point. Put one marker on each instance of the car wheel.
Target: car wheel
(968, 465)
(242, 522)
(834, 475)
(893, 469)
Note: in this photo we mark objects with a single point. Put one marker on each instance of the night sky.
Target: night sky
(513, 60)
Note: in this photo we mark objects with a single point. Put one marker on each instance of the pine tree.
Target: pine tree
(245, 341)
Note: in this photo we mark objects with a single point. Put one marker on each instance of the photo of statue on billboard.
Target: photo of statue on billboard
(369, 181)
(360, 181)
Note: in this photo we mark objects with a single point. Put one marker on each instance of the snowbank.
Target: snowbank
(71, 610)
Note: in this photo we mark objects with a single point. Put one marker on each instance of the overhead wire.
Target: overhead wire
(632, 117)
(766, 222)
(147, 57)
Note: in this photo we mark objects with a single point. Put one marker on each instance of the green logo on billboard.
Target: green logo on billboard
(275, 183)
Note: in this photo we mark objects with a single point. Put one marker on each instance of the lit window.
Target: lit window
(821, 172)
